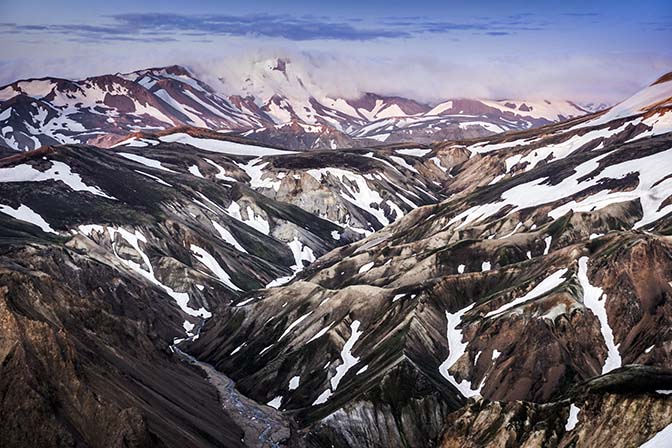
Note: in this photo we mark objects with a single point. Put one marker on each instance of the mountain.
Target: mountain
(594, 107)
(541, 279)
(362, 190)
(97, 110)
(277, 108)
(188, 287)
(286, 93)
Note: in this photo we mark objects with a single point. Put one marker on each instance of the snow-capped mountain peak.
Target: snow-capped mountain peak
(279, 103)
(658, 94)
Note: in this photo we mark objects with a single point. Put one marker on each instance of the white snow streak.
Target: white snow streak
(228, 236)
(415, 152)
(663, 439)
(594, 300)
(222, 146)
(456, 349)
(324, 396)
(366, 267)
(25, 213)
(349, 360)
(542, 288)
(58, 171)
(362, 370)
(145, 161)
(294, 324)
(572, 418)
(320, 333)
(211, 263)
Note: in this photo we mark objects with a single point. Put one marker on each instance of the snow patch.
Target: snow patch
(547, 241)
(415, 152)
(595, 300)
(663, 439)
(145, 161)
(349, 360)
(403, 163)
(26, 214)
(151, 176)
(366, 267)
(222, 172)
(228, 236)
(58, 171)
(193, 169)
(543, 287)
(320, 333)
(456, 348)
(294, 382)
(362, 370)
(222, 146)
(211, 263)
(572, 418)
(324, 396)
(294, 324)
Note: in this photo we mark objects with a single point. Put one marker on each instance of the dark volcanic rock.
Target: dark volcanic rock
(86, 362)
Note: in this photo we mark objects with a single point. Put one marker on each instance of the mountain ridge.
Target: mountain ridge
(99, 109)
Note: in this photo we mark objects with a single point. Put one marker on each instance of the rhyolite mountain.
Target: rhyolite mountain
(276, 107)
(187, 287)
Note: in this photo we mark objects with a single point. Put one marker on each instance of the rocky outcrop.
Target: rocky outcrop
(622, 408)
(86, 362)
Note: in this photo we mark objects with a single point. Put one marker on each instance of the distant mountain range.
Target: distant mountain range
(276, 108)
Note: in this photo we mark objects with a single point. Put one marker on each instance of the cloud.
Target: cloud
(429, 75)
(507, 56)
(603, 78)
(140, 26)
(581, 14)
(659, 25)
(144, 26)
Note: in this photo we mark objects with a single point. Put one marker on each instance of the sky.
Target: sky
(585, 51)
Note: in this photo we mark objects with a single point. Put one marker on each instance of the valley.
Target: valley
(183, 280)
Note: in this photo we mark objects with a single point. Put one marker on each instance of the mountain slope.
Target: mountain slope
(553, 239)
(148, 252)
(157, 235)
(99, 109)
(362, 190)
(85, 361)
